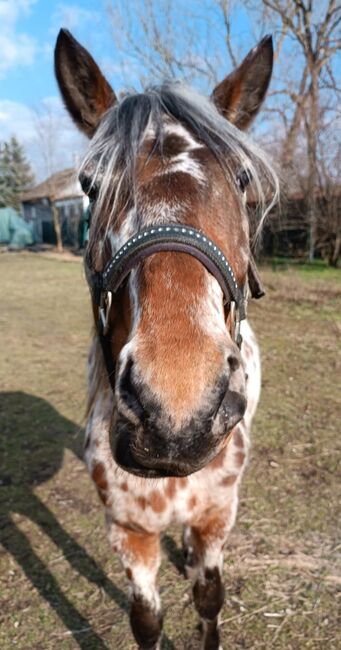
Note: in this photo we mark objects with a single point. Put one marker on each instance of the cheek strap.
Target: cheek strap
(255, 283)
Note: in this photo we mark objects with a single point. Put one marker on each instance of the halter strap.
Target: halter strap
(156, 239)
(168, 238)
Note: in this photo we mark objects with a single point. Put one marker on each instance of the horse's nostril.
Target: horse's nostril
(233, 362)
(128, 391)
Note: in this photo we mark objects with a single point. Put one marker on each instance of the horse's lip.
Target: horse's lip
(132, 463)
(144, 472)
(149, 472)
(130, 460)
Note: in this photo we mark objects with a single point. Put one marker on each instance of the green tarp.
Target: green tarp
(14, 231)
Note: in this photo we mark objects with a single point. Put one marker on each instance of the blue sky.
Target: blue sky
(28, 90)
(28, 31)
(29, 97)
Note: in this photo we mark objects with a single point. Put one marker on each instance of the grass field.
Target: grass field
(60, 586)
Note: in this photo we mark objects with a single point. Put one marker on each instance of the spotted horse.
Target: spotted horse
(173, 371)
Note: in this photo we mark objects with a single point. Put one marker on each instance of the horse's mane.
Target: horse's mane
(112, 155)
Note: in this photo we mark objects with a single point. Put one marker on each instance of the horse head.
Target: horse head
(169, 158)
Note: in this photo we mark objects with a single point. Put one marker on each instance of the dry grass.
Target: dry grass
(60, 586)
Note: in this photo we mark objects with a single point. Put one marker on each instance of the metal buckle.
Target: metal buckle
(104, 310)
(235, 323)
(233, 320)
(237, 335)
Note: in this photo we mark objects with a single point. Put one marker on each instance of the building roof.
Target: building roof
(59, 186)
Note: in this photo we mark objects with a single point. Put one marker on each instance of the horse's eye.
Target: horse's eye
(243, 179)
(93, 193)
(89, 188)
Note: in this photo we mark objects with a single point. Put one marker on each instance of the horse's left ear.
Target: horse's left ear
(239, 96)
(86, 92)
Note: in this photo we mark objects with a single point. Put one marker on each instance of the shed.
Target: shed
(64, 190)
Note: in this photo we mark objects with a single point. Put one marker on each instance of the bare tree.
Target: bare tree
(314, 27)
(328, 226)
(170, 39)
(48, 127)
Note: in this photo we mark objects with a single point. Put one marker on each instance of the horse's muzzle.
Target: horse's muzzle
(154, 448)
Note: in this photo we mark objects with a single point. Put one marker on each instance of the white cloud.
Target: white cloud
(46, 133)
(15, 51)
(11, 9)
(16, 48)
(70, 16)
(16, 119)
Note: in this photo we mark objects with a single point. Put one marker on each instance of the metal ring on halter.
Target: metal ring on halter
(104, 310)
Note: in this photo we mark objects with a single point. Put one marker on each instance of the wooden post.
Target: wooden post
(57, 227)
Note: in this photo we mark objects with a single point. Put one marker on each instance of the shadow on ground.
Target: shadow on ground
(34, 436)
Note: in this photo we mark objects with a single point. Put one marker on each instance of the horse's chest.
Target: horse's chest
(155, 505)
(152, 506)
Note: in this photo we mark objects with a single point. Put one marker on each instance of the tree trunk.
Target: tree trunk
(311, 129)
(57, 227)
(335, 253)
(287, 154)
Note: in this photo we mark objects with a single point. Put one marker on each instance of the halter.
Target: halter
(174, 238)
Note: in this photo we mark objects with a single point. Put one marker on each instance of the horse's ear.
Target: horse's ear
(239, 96)
(86, 92)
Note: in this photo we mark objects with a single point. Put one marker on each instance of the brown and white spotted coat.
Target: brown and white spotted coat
(184, 395)
(137, 510)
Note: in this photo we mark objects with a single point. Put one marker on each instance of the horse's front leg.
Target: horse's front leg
(204, 542)
(140, 555)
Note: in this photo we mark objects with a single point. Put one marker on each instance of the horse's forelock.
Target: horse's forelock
(114, 150)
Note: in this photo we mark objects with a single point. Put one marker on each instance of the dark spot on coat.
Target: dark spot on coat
(146, 624)
(102, 495)
(157, 501)
(173, 145)
(229, 480)
(142, 502)
(240, 457)
(192, 502)
(98, 475)
(209, 595)
(170, 488)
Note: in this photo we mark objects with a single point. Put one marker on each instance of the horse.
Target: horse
(173, 368)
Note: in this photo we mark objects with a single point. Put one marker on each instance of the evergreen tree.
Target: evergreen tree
(6, 193)
(15, 173)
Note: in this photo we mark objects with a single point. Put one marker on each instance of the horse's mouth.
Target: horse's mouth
(135, 462)
(139, 464)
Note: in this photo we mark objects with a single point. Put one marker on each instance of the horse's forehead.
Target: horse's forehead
(178, 179)
(177, 130)
(176, 151)
(171, 177)
(173, 131)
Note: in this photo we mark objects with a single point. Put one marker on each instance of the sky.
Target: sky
(28, 90)
(30, 104)
(29, 95)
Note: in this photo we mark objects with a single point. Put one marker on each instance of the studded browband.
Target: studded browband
(175, 238)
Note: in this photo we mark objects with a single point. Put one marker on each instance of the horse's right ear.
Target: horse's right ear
(86, 92)
(239, 96)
